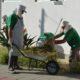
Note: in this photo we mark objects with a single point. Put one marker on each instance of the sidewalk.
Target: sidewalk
(34, 75)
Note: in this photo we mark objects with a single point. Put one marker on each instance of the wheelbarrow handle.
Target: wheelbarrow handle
(18, 49)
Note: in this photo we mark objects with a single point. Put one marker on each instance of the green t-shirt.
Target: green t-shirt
(72, 38)
(11, 21)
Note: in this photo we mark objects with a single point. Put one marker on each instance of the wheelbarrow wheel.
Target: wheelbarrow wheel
(52, 67)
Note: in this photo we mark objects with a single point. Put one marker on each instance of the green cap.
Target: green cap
(46, 36)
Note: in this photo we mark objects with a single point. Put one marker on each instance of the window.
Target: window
(44, 0)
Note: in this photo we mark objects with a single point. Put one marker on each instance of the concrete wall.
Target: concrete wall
(46, 16)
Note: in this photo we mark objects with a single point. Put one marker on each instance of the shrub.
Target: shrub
(3, 55)
(4, 59)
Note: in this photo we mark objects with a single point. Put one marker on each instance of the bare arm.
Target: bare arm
(59, 35)
(10, 32)
(59, 41)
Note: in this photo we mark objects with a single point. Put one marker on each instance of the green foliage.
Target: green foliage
(3, 55)
(3, 40)
(4, 58)
(28, 41)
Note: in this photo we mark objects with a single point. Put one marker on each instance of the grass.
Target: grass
(3, 49)
(3, 55)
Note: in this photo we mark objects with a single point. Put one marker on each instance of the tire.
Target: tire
(52, 67)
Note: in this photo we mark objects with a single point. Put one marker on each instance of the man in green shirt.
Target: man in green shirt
(15, 34)
(4, 26)
(72, 38)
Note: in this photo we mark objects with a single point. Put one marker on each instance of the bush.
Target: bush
(4, 59)
(3, 55)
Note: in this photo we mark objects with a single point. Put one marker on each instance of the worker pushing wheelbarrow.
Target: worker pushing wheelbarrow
(73, 39)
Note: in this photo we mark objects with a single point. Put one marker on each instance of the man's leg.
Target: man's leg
(77, 55)
(75, 58)
(11, 63)
(11, 60)
(16, 61)
(16, 65)
(71, 56)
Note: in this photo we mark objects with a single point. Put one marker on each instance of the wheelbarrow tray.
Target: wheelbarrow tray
(38, 53)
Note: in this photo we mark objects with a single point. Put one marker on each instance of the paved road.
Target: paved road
(34, 75)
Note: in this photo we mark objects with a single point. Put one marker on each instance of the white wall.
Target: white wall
(53, 13)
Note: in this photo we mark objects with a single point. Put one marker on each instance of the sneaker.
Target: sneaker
(18, 68)
(11, 69)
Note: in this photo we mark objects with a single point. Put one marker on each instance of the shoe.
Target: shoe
(18, 68)
(11, 69)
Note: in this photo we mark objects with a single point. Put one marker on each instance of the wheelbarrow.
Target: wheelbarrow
(47, 57)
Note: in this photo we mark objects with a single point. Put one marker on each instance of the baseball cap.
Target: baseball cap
(65, 22)
(22, 8)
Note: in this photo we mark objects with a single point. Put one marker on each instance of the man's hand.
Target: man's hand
(59, 35)
(10, 42)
